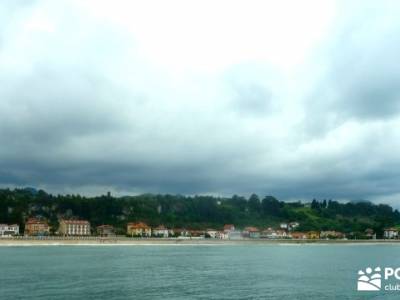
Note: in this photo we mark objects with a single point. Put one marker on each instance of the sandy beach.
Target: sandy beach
(58, 241)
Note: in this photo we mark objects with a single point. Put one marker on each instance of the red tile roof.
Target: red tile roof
(35, 221)
(138, 225)
(229, 227)
(251, 229)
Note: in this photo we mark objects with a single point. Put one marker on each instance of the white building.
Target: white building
(390, 233)
(235, 235)
(74, 227)
(293, 225)
(212, 233)
(161, 231)
(274, 234)
(283, 226)
(9, 230)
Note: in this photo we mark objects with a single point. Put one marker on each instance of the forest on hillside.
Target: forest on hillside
(195, 212)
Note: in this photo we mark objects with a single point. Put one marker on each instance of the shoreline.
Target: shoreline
(122, 241)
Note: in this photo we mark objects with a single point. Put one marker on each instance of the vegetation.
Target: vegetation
(198, 212)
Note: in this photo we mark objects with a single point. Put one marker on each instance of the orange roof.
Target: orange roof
(297, 233)
(251, 229)
(229, 226)
(138, 225)
(35, 221)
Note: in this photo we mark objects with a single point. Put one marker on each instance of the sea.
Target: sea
(259, 271)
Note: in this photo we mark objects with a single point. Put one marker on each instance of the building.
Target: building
(161, 231)
(251, 232)
(284, 226)
(270, 233)
(74, 227)
(9, 230)
(298, 235)
(212, 233)
(293, 225)
(312, 235)
(197, 233)
(227, 232)
(105, 230)
(331, 234)
(181, 232)
(138, 229)
(222, 235)
(391, 233)
(370, 234)
(235, 235)
(35, 226)
(229, 227)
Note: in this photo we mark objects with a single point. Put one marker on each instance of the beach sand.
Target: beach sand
(92, 241)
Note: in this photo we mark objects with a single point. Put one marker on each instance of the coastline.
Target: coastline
(124, 241)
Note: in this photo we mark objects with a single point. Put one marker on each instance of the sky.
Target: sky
(297, 99)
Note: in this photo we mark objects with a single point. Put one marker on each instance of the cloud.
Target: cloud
(125, 98)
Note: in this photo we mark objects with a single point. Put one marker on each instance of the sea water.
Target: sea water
(307, 271)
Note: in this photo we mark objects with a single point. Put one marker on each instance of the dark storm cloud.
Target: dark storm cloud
(84, 108)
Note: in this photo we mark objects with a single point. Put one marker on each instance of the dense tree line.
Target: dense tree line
(197, 212)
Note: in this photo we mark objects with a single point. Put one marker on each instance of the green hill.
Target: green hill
(198, 212)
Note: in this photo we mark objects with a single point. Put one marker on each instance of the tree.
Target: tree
(271, 206)
(254, 203)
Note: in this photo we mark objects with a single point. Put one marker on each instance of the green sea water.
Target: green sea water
(192, 272)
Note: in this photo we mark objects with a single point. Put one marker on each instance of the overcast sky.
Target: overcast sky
(296, 99)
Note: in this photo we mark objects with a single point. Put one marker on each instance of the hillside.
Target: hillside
(198, 212)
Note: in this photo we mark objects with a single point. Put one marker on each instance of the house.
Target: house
(222, 235)
(105, 230)
(227, 233)
(298, 235)
(229, 227)
(171, 232)
(160, 231)
(283, 226)
(331, 234)
(391, 233)
(293, 225)
(312, 235)
(235, 235)
(212, 233)
(74, 227)
(251, 232)
(369, 233)
(181, 232)
(138, 229)
(197, 233)
(281, 234)
(35, 226)
(9, 230)
(270, 233)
